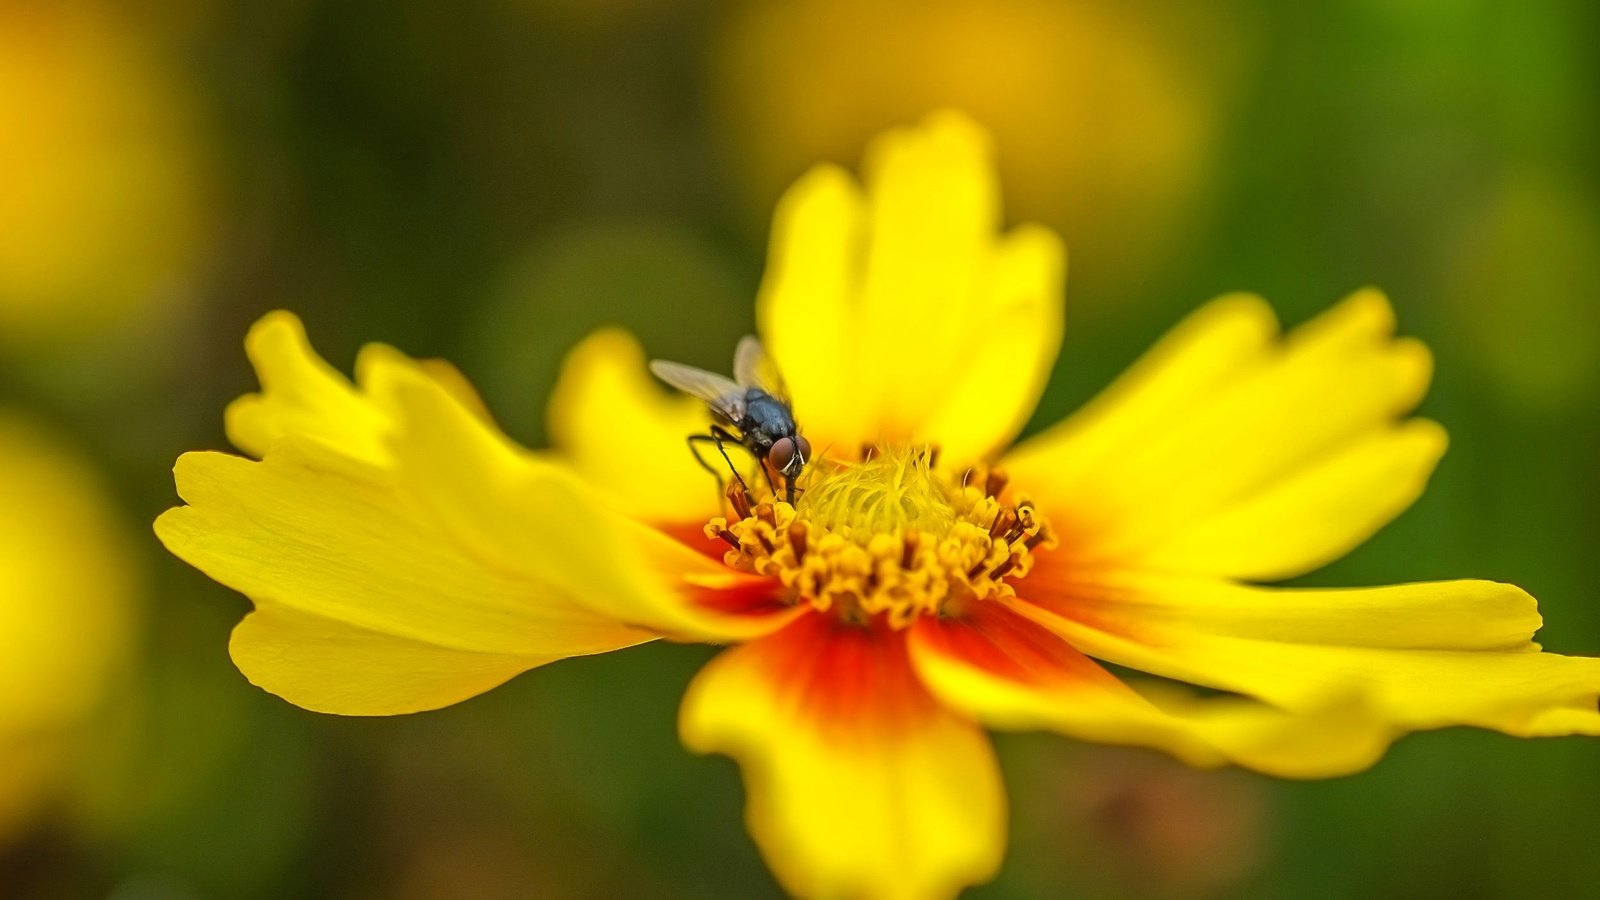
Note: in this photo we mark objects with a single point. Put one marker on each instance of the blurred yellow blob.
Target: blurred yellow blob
(101, 198)
(1106, 116)
(67, 590)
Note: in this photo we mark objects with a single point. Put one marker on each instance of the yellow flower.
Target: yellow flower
(66, 612)
(403, 554)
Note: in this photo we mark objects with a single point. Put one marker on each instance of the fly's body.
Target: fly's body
(754, 405)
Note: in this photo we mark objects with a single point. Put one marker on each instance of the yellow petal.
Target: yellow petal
(626, 436)
(301, 395)
(326, 665)
(1334, 504)
(310, 530)
(1225, 434)
(902, 314)
(530, 517)
(991, 400)
(1421, 655)
(1009, 672)
(447, 376)
(859, 783)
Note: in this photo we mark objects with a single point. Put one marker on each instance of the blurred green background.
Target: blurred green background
(489, 181)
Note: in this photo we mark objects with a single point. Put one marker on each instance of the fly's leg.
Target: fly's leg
(722, 434)
(765, 469)
(717, 437)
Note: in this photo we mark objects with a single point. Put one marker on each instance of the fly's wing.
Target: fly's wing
(725, 398)
(752, 368)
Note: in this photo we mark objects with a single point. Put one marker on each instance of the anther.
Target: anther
(738, 499)
(797, 540)
(729, 538)
(1004, 521)
(933, 456)
(1025, 516)
(1037, 538)
(977, 570)
(908, 548)
(995, 483)
(868, 451)
(765, 513)
(766, 543)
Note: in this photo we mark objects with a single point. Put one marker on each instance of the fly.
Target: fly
(751, 410)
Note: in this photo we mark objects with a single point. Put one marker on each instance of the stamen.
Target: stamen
(995, 483)
(887, 537)
(797, 540)
(718, 528)
(1041, 537)
(738, 499)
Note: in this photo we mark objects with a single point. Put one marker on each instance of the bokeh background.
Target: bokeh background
(489, 181)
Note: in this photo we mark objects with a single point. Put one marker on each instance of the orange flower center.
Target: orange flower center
(889, 535)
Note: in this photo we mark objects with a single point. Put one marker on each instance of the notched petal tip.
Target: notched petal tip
(275, 328)
(1373, 306)
(944, 137)
(1283, 452)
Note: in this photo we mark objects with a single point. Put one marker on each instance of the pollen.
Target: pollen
(888, 536)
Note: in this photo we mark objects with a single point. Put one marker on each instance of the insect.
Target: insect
(750, 411)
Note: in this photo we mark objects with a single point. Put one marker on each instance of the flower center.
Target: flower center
(889, 535)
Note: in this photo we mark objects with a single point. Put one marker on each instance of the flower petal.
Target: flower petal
(859, 783)
(1422, 655)
(626, 436)
(1334, 503)
(1010, 672)
(332, 539)
(1214, 452)
(902, 315)
(301, 395)
(531, 517)
(326, 665)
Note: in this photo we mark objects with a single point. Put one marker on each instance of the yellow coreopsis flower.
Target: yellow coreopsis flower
(403, 554)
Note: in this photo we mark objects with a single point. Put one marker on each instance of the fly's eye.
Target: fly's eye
(805, 448)
(783, 454)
